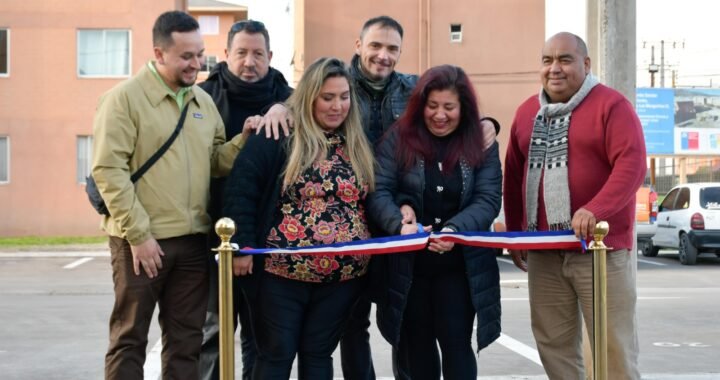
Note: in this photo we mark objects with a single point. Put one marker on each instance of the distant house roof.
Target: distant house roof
(214, 6)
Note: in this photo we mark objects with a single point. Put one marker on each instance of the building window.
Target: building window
(4, 52)
(4, 159)
(84, 157)
(209, 25)
(210, 62)
(103, 53)
(456, 33)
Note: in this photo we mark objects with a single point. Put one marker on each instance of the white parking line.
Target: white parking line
(660, 298)
(521, 348)
(651, 262)
(153, 361)
(77, 263)
(521, 281)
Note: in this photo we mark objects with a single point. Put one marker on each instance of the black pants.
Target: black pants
(355, 354)
(439, 309)
(210, 350)
(303, 318)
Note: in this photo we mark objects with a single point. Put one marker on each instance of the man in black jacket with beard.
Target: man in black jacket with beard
(382, 95)
(243, 86)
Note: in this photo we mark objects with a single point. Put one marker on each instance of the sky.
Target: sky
(689, 24)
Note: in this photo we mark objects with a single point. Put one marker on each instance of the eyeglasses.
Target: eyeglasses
(247, 24)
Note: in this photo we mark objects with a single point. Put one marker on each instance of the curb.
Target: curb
(55, 248)
(50, 254)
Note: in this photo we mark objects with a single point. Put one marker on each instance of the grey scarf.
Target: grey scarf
(548, 159)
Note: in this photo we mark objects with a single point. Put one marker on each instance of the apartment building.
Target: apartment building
(58, 57)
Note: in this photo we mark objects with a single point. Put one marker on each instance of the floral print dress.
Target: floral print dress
(325, 205)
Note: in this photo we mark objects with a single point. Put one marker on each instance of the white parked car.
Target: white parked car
(689, 220)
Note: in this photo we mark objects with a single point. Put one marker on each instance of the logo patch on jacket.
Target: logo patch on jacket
(197, 115)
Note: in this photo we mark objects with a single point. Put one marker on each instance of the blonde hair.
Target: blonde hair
(307, 143)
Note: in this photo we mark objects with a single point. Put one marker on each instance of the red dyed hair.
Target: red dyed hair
(415, 139)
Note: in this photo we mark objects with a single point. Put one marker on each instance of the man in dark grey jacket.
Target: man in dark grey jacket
(382, 94)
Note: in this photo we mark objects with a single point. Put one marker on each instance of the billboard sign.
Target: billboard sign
(680, 121)
(655, 108)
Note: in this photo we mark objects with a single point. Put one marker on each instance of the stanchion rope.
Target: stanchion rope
(540, 240)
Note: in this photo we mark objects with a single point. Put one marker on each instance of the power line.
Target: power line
(654, 68)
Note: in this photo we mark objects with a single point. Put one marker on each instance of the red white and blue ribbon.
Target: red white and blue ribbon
(376, 246)
(513, 240)
(407, 243)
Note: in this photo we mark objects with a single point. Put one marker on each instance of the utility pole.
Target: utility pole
(611, 32)
(611, 36)
(654, 67)
(662, 63)
(674, 78)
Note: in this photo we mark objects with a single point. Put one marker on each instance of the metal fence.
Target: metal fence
(672, 171)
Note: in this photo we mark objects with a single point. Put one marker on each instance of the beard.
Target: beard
(182, 79)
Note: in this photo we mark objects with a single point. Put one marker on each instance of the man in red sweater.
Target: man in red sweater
(576, 156)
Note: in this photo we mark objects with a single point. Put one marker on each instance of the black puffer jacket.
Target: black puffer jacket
(479, 206)
(379, 110)
(251, 196)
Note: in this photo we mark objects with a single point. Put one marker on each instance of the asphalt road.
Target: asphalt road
(54, 308)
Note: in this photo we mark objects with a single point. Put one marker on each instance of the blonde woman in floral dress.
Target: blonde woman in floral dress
(307, 189)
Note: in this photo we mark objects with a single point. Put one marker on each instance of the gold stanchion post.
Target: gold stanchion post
(225, 228)
(599, 300)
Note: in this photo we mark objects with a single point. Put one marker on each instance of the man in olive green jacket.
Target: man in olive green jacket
(157, 226)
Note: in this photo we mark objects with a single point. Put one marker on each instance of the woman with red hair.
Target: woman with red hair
(441, 161)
